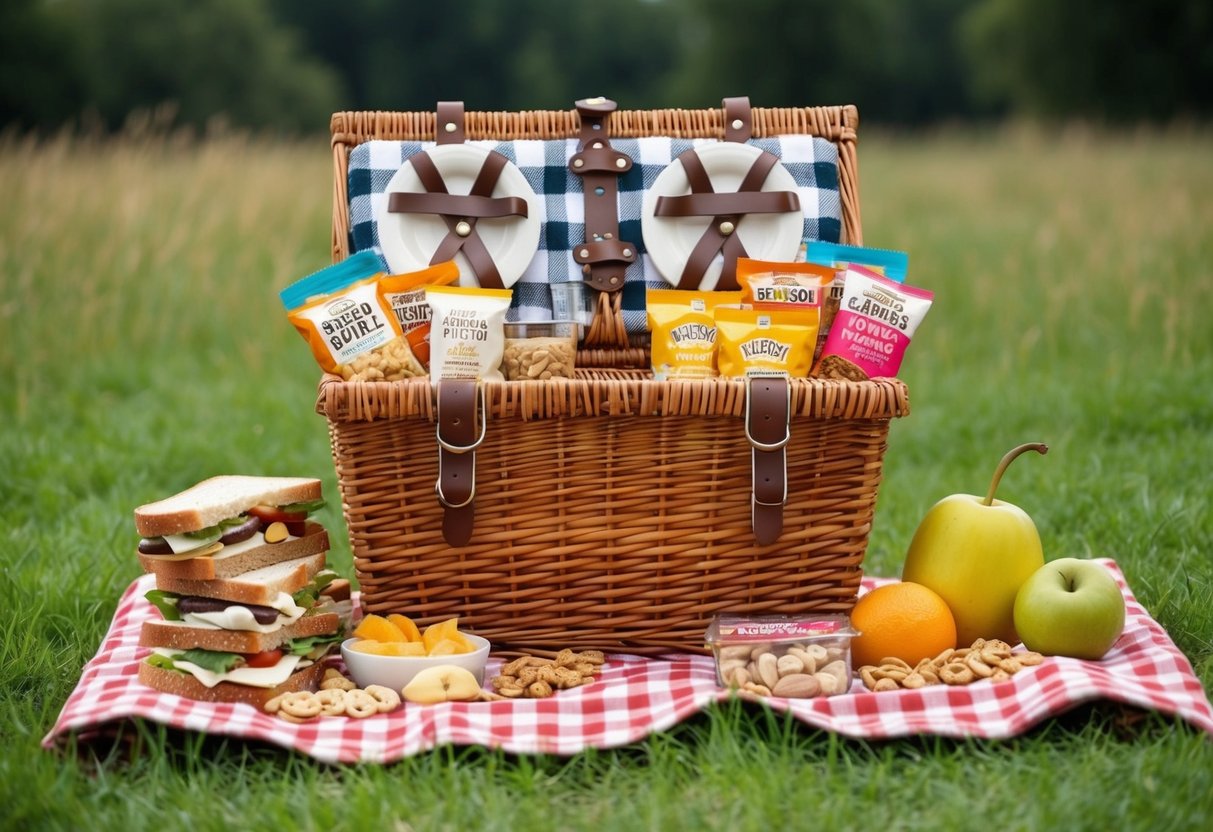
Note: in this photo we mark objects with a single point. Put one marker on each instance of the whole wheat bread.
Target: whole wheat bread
(182, 636)
(260, 586)
(221, 565)
(220, 498)
(183, 684)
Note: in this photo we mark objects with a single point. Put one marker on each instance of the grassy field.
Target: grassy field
(145, 349)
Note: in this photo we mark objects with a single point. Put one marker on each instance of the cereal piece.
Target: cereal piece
(999, 675)
(565, 658)
(973, 662)
(914, 681)
(1011, 665)
(385, 698)
(1030, 658)
(337, 682)
(867, 675)
(539, 690)
(511, 691)
(272, 705)
(956, 673)
(896, 662)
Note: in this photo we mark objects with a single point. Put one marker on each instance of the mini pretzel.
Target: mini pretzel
(337, 682)
(332, 702)
(539, 690)
(272, 705)
(302, 704)
(974, 663)
(360, 704)
(386, 698)
(1030, 658)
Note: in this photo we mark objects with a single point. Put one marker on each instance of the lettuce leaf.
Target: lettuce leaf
(307, 506)
(303, 646)
(212, 660)
(308, 596)
(166, 602)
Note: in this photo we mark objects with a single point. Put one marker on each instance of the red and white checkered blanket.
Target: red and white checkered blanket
(636, 696)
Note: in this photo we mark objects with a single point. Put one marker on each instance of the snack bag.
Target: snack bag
(467, 335)
(348, 323)
(765, 341)
(771, 285)
(406, 294)
(892, 264)
(876, 320)
(684, 331)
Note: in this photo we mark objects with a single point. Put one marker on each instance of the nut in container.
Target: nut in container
(799, 657)
(540, 351)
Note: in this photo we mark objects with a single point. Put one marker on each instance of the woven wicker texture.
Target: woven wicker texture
(611, 510)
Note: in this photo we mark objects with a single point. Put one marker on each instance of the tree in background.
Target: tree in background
(204, 58)
(287, 64)
(1113, 60)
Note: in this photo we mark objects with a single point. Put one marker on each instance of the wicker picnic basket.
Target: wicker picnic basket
(611, 510)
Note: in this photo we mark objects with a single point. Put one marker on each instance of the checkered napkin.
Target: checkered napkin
(636, 696)
(812, 162)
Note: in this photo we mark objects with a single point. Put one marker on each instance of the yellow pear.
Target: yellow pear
(976, 553)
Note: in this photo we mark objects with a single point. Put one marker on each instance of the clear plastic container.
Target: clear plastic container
(798, 657)
(540, 351)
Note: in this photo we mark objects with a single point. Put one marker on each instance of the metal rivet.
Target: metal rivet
(627, 252)
(578, 163)
(621, 163)
(463, 228)
(738, 124)
(727, 228)
(597, 145)
(614, 280)
(585, 252)
(450, 127)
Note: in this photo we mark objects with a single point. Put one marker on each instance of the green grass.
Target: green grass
(145, 349)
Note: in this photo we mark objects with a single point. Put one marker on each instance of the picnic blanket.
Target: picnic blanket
(637, 696)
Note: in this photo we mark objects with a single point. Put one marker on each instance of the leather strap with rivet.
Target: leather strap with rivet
(768, 429)
(603, 257)
(458, 438)
(459, 212)
(726, 211)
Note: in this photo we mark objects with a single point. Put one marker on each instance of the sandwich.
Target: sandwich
(248, 606)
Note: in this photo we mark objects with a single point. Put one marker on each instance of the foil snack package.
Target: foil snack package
(752, 342)
(684, 331)
(406, 294)
(876, 321)
(837, 256)
(467, 332)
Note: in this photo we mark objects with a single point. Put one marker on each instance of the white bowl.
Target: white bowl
(397, 671)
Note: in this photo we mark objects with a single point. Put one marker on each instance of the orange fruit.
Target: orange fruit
(405, 625)
(378, 628)
(904, 620)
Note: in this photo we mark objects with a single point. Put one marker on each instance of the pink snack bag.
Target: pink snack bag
(876, 320)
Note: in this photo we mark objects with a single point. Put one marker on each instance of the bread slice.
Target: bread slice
(260, 586)
(220, 498)
(183, 684)
(239, 558)
(182, 636)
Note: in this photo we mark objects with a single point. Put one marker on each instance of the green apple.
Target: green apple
(1070, 607)
(976, 553)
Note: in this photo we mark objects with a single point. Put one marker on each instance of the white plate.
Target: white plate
(670, 240)
(410, 240)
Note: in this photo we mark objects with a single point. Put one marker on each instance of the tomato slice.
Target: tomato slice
(273, 514)
(266, 658)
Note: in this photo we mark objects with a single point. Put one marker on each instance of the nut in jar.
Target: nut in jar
(539, 351)
(798, 657)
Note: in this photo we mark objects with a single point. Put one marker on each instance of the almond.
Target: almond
(797, 686)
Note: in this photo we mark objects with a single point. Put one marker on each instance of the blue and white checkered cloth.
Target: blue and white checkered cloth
(812, 162)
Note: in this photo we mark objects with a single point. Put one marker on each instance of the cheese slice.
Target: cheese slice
(256, 677)
(241, 618)
(182, 543)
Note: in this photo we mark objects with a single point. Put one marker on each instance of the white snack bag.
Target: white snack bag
(467, 332)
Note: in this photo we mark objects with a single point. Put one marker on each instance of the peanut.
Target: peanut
(538, 358)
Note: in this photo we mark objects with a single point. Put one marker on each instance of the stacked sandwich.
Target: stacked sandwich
(249, 607)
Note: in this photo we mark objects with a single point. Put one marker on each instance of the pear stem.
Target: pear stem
(1010, 457)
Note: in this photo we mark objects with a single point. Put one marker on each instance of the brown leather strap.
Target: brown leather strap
(460, 212)
(707, 205)
(738, 120)
(603, 256)
(768, 428)
(720, 237)
(458, 437)
(450, 125)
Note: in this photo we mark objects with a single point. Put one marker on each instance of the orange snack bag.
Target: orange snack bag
(767, 284)
(406, 295)
(341, 311)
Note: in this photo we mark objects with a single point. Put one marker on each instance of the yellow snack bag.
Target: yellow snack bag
(684, 331)
(406, 294)
(765, 341)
